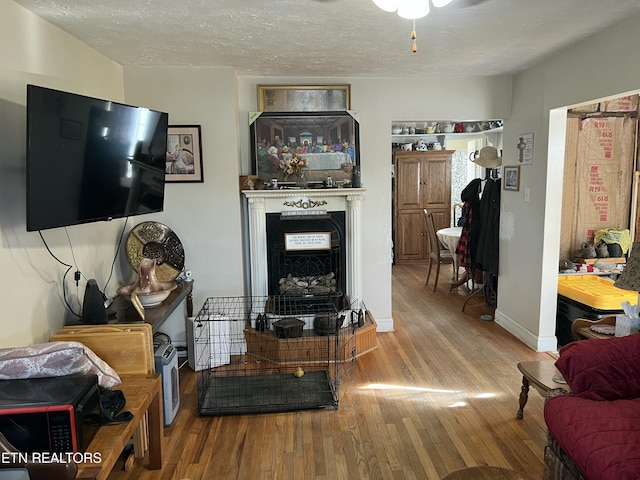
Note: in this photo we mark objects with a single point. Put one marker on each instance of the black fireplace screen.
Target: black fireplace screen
(319, 271)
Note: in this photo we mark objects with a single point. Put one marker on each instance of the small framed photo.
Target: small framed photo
(184, 154)
(511, 178)
(304, 98)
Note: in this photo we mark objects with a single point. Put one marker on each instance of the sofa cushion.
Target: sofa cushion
(601, 438)
(55, 359)
(602, 369)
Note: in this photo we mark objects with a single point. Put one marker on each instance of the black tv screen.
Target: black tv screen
(91, 160)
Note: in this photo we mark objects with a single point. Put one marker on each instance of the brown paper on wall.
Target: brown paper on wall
(590, 108)
(604, 174)
(628, 103)
(569, 191)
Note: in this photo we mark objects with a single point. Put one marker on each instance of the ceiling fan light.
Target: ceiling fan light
(441, 3)
(387, 5)
(413, 9)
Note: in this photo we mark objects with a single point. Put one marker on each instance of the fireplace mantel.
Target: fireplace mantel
(309, 192)
(300, 202)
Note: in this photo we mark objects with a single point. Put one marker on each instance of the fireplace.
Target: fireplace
(306, 254)
(328, 219)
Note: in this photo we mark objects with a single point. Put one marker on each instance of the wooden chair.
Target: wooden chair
(437, 253)
(457, 213)
(581, 327)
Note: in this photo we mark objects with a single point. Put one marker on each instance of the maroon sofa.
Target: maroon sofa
(594, 432)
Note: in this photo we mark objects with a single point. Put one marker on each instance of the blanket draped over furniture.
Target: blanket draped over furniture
(594, 432)
(55, 359)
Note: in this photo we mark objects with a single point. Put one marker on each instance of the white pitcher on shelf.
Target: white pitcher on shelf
(447, 127)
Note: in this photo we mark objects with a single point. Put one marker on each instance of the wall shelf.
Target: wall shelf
(440, 137)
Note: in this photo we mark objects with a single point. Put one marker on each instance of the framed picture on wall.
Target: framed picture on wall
(303, 98)
(525, 148)
(184, 154)
(290, 147)
(511, 178)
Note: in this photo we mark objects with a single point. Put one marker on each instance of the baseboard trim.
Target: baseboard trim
(537, 343)
(385, 324)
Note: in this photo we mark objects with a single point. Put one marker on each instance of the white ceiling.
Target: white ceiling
(331, 37)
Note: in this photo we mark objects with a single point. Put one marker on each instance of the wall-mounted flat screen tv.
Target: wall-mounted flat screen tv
(91, 160)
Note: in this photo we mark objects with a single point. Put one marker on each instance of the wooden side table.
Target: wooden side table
(144, 396)
(541, 375)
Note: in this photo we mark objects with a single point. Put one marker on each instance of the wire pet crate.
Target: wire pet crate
(272, 354)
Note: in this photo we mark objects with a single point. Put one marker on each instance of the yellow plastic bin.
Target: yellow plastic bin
(587, 296)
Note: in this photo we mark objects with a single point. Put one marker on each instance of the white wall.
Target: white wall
(205, 216)
(603, 65)
(33, 51)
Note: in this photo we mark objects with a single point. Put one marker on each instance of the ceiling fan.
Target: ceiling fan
(414, 9)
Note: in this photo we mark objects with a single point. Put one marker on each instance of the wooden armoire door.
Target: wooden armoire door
(409, 180)
(423, 180)
(436, 178)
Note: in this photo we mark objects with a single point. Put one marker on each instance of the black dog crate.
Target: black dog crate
(272, 354)
(568, 310)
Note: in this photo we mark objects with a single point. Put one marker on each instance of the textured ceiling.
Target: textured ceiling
(331, 37)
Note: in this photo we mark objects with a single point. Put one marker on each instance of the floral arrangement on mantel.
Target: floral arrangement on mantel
(293, 165)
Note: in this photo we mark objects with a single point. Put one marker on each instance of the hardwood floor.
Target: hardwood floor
(439, 394)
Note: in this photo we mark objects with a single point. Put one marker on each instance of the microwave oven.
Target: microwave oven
(52, 414)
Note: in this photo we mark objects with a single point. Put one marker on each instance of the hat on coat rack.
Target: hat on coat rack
(487, 158)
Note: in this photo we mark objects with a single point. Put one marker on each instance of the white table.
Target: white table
(324, 161)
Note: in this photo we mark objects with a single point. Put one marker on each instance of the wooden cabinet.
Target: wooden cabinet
(423, 180)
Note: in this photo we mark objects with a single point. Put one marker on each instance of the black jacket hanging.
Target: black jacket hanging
(487, 255)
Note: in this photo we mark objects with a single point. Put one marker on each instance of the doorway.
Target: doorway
(556, 197)
(423, 180)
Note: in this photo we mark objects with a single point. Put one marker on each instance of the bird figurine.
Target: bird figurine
(298, 373)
